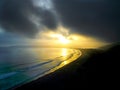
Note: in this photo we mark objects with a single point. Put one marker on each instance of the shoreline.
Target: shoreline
(56, 73)
(94, 69)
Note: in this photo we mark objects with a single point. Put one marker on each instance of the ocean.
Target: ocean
(20, 65)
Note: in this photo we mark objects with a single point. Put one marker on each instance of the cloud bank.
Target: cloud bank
(26, 17)
(97, 18)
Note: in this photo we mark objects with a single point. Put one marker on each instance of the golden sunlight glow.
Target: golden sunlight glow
(62, 38)
(65, 62)
(64, 52)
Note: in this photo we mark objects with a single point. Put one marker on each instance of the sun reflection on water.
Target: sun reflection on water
(68, 56)
(64, 52)
(65, 62)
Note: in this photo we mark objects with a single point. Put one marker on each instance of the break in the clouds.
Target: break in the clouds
(26, 16)
(98, 18)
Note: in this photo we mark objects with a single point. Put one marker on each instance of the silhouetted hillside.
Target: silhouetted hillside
(102, 69)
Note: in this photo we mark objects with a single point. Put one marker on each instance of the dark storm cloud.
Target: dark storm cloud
(99, 18)
(48, 18)
(15, 16)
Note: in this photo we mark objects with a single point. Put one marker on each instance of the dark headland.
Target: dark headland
(96, 68)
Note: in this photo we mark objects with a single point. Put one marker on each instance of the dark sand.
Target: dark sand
(94, 69)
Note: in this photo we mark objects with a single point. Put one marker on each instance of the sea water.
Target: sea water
(20, 65)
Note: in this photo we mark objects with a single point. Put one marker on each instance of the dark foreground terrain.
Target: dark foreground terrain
(94, 69)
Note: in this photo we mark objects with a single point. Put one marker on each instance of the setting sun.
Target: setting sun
(63, 40)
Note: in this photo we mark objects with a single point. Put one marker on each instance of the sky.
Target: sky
(97, 21)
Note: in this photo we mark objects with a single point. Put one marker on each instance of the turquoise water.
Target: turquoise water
(20, 65)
